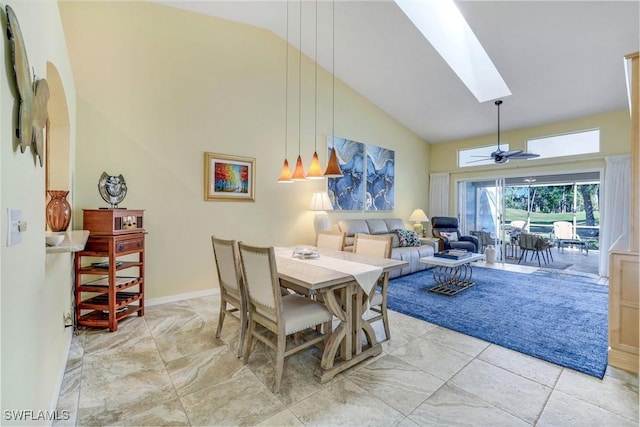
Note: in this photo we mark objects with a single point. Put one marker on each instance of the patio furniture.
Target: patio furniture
(535, 244)
(564, 234)
(485, 239)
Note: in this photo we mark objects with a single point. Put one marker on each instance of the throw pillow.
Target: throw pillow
(451, 236)
(408, 238)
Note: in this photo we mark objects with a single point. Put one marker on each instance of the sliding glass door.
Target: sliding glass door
(481, 208)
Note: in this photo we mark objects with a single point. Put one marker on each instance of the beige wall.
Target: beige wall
(615, 139)
(158, 87)
(35, 287)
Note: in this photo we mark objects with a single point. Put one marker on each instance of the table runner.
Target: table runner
(366, 275)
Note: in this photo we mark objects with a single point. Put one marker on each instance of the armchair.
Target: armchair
(446, 230)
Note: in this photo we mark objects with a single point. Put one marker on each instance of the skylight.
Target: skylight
(442, 24)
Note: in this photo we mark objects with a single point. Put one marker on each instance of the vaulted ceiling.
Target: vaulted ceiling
(560, 59)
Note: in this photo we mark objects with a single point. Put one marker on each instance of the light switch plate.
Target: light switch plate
(14, 219)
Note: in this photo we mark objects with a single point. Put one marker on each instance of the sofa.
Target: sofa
(388, 226)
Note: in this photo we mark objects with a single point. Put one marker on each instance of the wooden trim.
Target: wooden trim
(634, 95)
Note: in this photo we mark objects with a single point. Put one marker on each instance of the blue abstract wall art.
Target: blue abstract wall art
(380, 188)
(347, 192)
(369, 176)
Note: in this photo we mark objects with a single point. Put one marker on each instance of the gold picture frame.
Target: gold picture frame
(229, 178)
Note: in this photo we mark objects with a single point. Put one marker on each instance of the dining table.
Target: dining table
(343, 281)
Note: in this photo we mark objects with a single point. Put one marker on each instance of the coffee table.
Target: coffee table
(451, 275)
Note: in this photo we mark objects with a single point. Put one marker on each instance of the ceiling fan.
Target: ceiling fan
(500, 156)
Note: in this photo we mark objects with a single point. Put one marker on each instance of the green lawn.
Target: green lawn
(545, 218)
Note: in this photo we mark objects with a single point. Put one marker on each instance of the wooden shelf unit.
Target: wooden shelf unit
(105, 295)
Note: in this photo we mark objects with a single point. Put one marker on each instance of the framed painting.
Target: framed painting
(229, 178)
(347, 192)
(380, 171)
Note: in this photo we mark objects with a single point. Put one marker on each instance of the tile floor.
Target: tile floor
(167, 368)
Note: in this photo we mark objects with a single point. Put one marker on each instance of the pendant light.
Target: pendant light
(298, 173)
(333, 167)
(315, 171)
(285, 174)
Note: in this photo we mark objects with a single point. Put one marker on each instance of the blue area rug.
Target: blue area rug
(560, 321)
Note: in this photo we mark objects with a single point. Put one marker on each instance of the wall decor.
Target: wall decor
(34, 93)
(229, 178)
(368, 181)
(380, 168)
(347, 192)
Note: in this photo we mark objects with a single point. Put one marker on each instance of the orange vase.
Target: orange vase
(58, 210)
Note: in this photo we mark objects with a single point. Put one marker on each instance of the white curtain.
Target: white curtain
(439, 194)
(615, 208)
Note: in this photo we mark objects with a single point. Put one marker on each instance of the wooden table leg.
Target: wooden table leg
(346, 336)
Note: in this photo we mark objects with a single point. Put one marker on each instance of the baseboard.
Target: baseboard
(56, 395)
(181, 297)
(623, 360)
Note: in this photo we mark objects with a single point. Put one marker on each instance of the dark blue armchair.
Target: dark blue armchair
(446, 230)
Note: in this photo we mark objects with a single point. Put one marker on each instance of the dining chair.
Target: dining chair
(281, 315)
(233, 297)
(377, 246)
(330, 239)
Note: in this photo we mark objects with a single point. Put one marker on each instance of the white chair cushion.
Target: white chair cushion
(301, 313)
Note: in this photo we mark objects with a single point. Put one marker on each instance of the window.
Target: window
(478, 156)
(568, 144)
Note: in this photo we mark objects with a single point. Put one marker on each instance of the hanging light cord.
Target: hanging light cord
(286, 90)
(333, 69)
(300, 83)
(315, 93)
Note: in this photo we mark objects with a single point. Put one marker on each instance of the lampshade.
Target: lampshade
(315, 172)
(285, 175)
(298, 173)
(418, 215)
(320, 202)
(333, 168)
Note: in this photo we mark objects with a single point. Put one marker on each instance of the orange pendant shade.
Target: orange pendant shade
(315, 172)
(333, 168)
(298, 173)
(285, 175)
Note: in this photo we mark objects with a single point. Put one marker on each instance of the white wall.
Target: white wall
(35, 288)
(158, 87)
(615, 139)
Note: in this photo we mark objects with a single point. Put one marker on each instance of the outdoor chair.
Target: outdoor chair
(446, 230)
(380, 247)
(484, 239)
(233, 298)
(563, 233)
(281, 316)
(535, 244)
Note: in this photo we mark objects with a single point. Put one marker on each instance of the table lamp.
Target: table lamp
(320, 203)
(418, 216)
